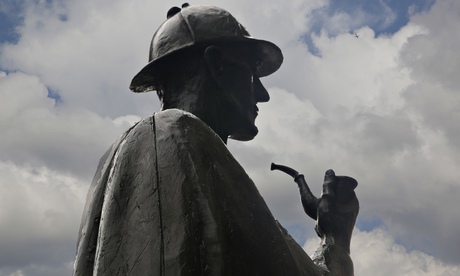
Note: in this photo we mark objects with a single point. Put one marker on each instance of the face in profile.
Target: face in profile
(242, 91)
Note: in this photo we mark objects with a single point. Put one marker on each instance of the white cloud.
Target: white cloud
(48, 155)
(39, 270)
(90, 58)
(434, 60)
(37, 131)
(38, 208)
(376, 253)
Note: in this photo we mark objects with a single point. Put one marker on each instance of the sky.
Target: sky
(383, 108)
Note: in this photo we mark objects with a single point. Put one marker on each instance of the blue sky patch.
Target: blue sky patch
(298, 232)
(383, 16)
(368, 224)
(52, 94)
(10, 17)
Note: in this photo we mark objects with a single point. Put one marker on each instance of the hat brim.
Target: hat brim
(268, 53)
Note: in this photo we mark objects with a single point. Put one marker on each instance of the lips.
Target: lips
(255, 110)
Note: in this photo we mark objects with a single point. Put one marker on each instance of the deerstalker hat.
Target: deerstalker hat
(201, 25)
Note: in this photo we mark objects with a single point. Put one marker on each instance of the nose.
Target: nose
(260, 93)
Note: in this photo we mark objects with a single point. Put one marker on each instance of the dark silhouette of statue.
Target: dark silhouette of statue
(168, 198)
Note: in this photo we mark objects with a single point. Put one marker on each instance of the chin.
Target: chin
(246, 135)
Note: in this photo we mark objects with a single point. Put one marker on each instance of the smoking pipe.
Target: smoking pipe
(309, 201)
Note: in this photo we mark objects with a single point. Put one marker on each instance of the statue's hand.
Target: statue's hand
(338, 206)
(339, 191)
(337, 211)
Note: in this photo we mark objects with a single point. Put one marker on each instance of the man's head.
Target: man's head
(203, 61)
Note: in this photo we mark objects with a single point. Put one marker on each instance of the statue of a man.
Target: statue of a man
(168, 198)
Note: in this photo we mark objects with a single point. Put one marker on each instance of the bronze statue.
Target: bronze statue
(335, 213)
(168, 198)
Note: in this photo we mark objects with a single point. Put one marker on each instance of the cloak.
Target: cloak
(168, 198)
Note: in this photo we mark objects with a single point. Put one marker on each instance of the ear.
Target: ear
(214, 58)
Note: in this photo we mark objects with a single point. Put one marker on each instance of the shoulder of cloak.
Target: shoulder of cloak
(175, 129)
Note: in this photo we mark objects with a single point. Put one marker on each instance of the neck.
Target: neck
(212, 118)
(205, 107)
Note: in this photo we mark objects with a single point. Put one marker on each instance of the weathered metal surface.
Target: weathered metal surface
(169, 199)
